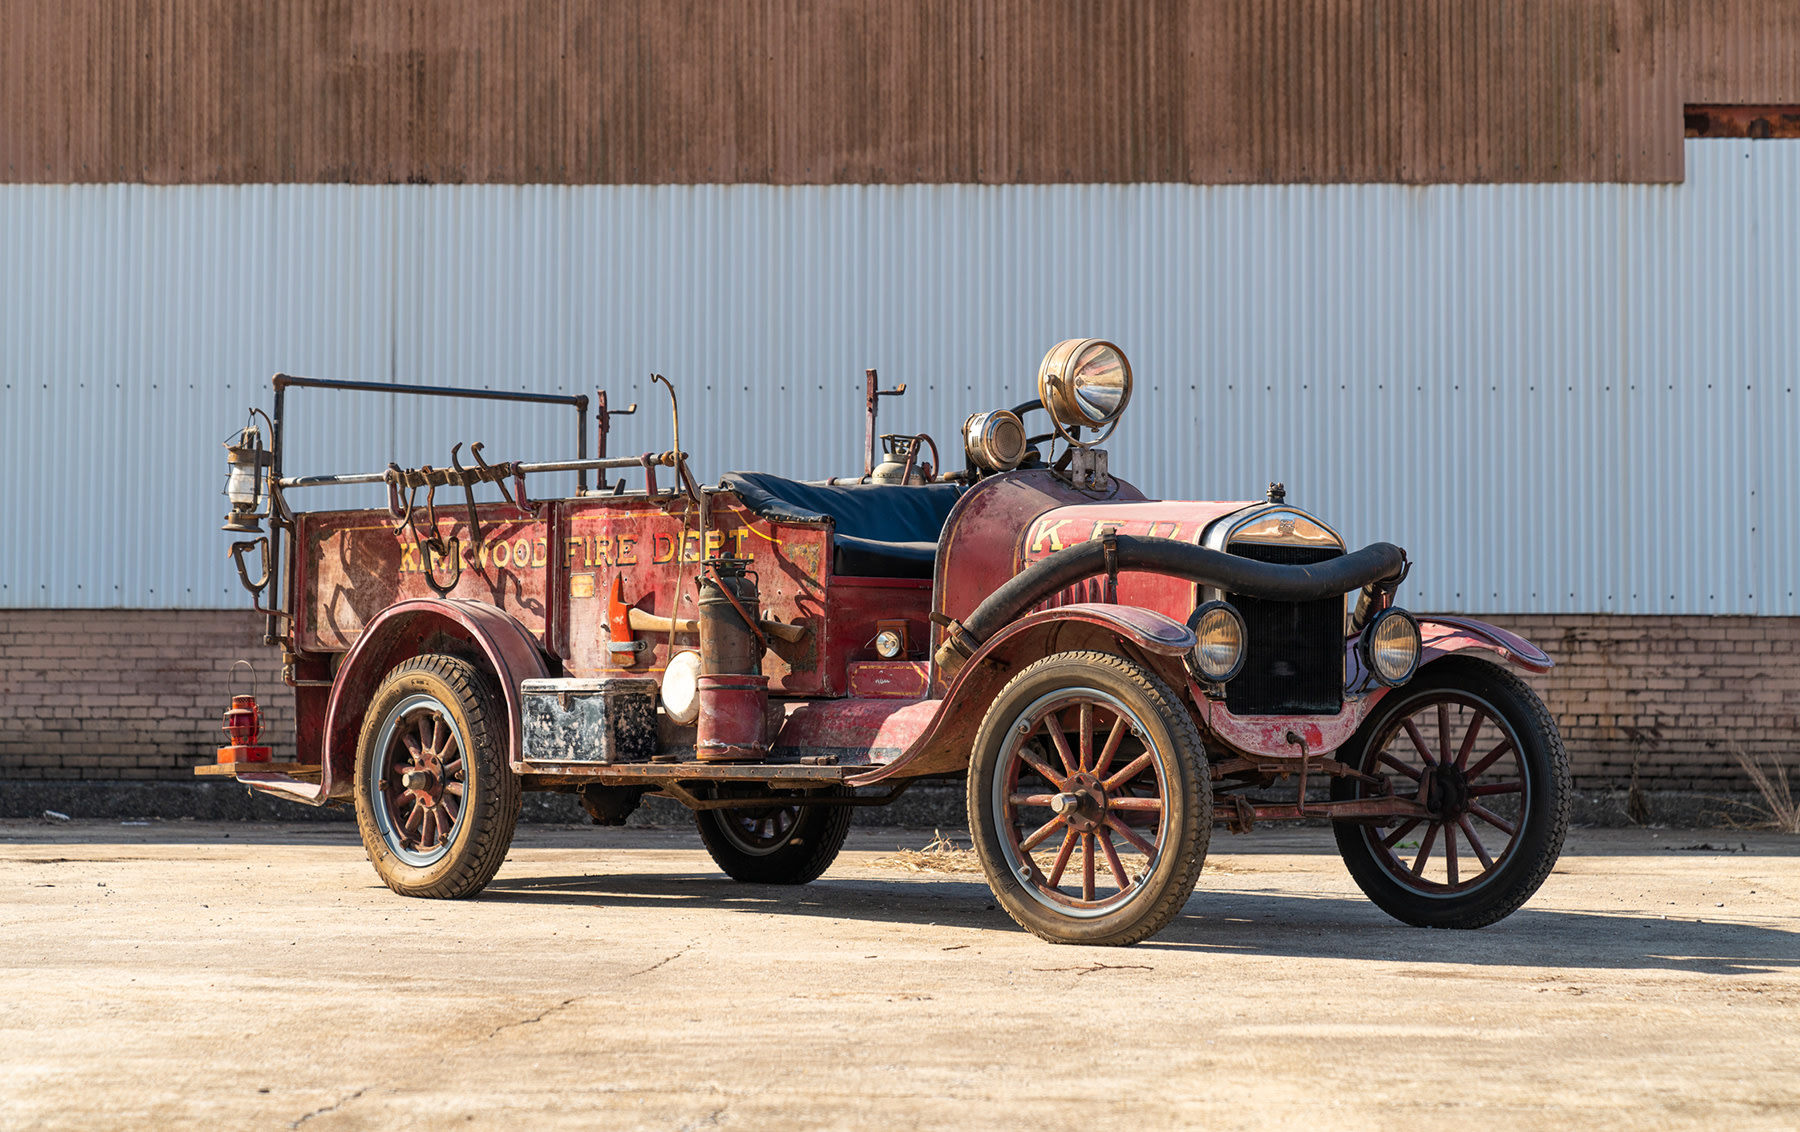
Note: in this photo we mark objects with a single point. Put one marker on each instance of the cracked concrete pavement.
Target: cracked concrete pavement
(186, 975)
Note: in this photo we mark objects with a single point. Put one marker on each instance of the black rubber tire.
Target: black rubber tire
(483, 829)
(1541, 824)
(802, 842)
(1174, 743)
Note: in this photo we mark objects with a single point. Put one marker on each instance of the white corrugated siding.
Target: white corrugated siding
(1572, 398)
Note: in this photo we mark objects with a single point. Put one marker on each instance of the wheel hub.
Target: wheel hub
(422, 781)
(1082, 803)
(1444, 789)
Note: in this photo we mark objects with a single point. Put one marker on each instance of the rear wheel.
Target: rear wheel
(1089, 801)
(1474, 745)
(777, 843)
(436, 800)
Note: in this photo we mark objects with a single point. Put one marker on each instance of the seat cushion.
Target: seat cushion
(884, 530)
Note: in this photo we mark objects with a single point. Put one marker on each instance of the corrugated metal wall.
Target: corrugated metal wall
(874, 91)
(1576, 398)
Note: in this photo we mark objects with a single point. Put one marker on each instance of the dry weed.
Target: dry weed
(941, 855)
(1782, 809)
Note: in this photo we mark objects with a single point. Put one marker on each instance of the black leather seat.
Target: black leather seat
(884, 530)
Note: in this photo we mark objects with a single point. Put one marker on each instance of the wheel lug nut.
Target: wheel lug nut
(1065, 803)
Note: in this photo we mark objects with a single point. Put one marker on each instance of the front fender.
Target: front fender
(1442, 636)
(944, 746)
(402, 631)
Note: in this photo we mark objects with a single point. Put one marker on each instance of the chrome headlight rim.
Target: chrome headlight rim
(987, 440)
(1059, 395)
(1366, 647)
(1191, 658)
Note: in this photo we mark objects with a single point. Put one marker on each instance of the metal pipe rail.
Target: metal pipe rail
(664, 460)
(282, 590)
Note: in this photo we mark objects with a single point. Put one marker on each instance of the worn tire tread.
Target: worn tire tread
(495, 814)
(1517, 888)
(1197, 826)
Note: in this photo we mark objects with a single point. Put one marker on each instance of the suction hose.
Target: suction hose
(1378, 565)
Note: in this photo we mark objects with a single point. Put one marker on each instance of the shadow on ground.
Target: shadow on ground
(1225, 920)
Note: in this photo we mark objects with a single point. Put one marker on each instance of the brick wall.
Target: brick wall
(128, 693)
(1669, 695)
(137, 694)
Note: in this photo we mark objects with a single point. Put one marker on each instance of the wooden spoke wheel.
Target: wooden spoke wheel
(778, 842)
(1088, 800)
(436, 801)
(1471, 743)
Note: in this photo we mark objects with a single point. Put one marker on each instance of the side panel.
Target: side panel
(354, 566)
(944, 745)
(984, 538)
(656, 559)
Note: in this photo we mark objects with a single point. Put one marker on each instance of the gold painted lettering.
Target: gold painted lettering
(1047, 532)
(662, 548)
(502, 555)
(578, 546)
(737, 541)
(715, 542)
(540, 555)
(627, 551)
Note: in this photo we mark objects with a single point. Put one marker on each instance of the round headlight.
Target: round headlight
(681, 687)
(888, 644)
(1391, 647)
(995, 440)
(1085, 383)
(1218, 652)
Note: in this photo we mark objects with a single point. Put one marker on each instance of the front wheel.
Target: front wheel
(436, 799)
(1089, 800)
(1475, 746)
(775, 843)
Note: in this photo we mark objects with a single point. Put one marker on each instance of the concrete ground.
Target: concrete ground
(189, 975)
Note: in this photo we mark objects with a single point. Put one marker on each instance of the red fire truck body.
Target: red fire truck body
(1112, 673)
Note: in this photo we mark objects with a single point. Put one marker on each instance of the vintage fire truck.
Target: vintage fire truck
(1110, 674)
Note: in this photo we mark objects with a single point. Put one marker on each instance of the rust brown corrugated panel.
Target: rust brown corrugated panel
(852, 91)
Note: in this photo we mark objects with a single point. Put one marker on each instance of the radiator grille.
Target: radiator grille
(1295, 659)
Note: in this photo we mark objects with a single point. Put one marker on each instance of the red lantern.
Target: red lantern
(243, 724)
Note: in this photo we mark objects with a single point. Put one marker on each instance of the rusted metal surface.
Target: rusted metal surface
(901, 679)
(986, 536)
(862, 91)
(854, 732)
(1268, 736)
(733, 718)
(588, 721)
(1761, 122)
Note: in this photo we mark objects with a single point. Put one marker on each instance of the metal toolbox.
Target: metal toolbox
(591, 721)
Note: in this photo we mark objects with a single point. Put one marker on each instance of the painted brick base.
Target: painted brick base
(129, 693)
(1669, 696)
(138, 694)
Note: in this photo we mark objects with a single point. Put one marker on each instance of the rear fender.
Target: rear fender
(945, 744)
(410, 628)
(1442, 636)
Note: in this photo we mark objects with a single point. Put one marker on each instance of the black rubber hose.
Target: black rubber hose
(1373, 563)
